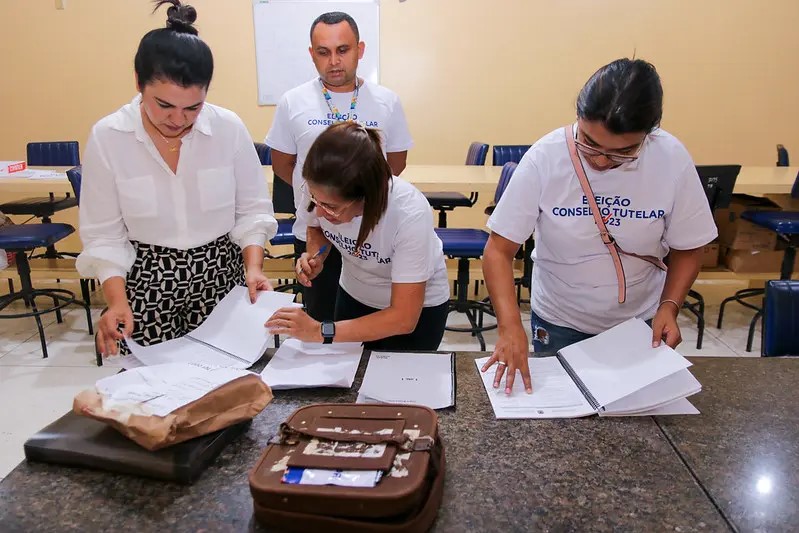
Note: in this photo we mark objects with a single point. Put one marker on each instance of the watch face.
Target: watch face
(328, 328)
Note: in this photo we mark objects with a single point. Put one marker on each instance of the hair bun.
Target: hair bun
(179, 17)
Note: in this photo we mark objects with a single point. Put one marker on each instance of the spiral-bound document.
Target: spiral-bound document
(616, 373)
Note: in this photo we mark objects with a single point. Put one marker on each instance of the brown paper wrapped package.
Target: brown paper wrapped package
(236, 401)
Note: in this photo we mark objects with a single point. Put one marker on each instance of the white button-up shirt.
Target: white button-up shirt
(128, 192)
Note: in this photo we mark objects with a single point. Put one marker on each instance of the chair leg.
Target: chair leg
(11, 286)
(752, 325)
(58, 317)
(38, 319)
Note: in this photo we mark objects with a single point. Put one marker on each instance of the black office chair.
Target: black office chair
(781, 319)
(508, 153)
(448, 201)
(57, 154)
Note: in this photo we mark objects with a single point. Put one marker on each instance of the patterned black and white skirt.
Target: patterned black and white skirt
(172, 291)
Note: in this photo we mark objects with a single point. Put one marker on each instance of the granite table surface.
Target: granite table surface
(589, 474)
(745, 446)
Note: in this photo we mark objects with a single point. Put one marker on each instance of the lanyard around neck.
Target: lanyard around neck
(332, 107)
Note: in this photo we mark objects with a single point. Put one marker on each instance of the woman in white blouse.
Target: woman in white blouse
(174, 206)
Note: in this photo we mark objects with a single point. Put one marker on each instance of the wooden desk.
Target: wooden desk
(766, 180)
(456, 178)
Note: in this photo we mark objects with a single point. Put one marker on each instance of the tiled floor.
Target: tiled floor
(34, 391)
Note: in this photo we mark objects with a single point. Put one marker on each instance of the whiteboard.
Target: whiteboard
(282, 38)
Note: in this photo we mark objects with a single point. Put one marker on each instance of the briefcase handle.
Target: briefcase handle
(289, 434)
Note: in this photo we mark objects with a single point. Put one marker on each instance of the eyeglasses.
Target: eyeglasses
(590, 151)
(333, 213)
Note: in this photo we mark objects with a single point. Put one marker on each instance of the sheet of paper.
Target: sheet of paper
(410, 378)
(677, 407)
(681, 384)
(161, 389)
(554, 395)
(620, 361)
(236, 326)
(299, 364)
(43, 174)
(181, 350)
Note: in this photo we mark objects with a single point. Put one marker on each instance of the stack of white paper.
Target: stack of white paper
(161, 389)
(616, 373)
(299, 364)
(232, 335)
(409, 378)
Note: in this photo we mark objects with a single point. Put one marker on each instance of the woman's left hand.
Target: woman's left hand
(296, 323)
(664, 326)
(256, 281)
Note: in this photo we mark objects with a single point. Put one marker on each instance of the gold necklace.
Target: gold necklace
(172, 148)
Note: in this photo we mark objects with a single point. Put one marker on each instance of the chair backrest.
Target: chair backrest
(74, 176)
(264, 153)
(504, 153)
(477, 154)
(57, 154)
(781, 319)
(782, 156)
(504, 179)
(282, 192)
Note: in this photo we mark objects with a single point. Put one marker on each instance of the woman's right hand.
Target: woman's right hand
(510, 354)
(108, 334)
(308, 267)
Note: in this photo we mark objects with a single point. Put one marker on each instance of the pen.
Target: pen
(322, 250)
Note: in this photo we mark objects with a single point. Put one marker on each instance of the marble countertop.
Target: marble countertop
(745, 446)
(598, 474)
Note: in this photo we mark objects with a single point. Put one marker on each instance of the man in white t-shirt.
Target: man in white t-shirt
(306, 111)
(649, 197)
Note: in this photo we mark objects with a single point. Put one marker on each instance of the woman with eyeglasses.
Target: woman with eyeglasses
(608, 197)
(393, 291)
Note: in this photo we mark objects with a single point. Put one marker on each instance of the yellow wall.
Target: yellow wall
(501, 71)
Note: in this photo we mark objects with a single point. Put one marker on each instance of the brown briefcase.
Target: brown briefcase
(401, 441)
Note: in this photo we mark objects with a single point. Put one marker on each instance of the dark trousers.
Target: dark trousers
(320, 298)
(427, 335)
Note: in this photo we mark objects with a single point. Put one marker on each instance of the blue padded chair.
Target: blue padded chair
(527, 249)
(505, 153)
(782, 156)
(19, 240)
(448, 201)
(283, 202)
(786, 225)
(781, 319)
(465, 244)
(57, 154)
(75, 175)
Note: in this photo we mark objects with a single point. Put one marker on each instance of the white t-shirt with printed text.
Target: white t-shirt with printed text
(302, 114)
(650, 206)
(402, 248)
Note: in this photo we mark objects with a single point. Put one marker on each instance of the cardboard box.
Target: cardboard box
(784, 201)
(9, 167)
(710, 255)
(751, 261)
(740, 234)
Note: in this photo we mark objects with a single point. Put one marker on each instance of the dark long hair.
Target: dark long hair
(174, 53)
(348, 158)
(625, 96)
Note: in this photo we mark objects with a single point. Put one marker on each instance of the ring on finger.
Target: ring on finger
(502, 363)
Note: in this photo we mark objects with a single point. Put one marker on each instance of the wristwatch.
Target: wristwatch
(328, 331)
